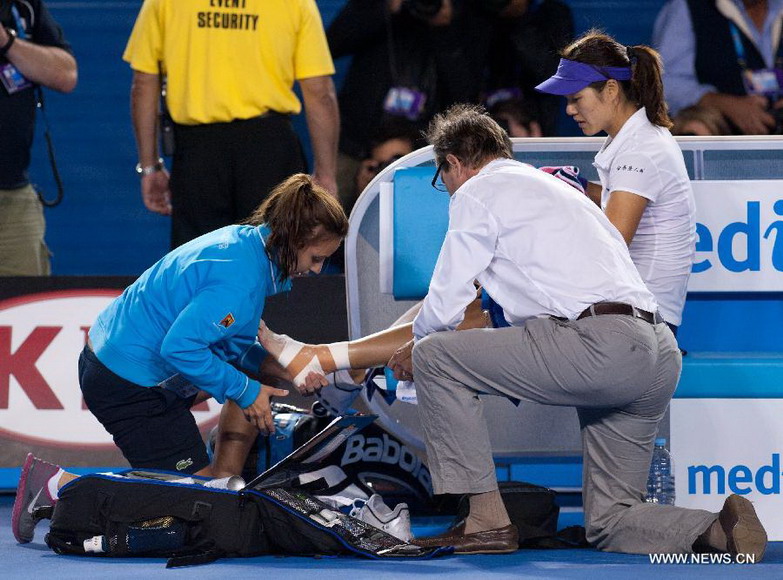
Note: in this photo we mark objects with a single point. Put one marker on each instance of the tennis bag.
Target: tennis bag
(121, 515)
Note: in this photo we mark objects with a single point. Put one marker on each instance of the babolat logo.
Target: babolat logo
(385, 450)
(740, 479)
(739, 244)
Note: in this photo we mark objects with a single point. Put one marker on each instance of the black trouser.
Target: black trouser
(222, 171)
(152, 426)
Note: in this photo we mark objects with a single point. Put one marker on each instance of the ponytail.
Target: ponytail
(646, 85)
(298, 213)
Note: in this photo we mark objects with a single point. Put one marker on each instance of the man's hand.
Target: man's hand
(155, 192)
(259, 412)
(401, 362)
(748, 113)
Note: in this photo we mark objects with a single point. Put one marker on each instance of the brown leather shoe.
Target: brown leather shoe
(744, 532)
(498, 541)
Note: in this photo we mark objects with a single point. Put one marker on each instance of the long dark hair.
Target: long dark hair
(299, 213)
(645, 89)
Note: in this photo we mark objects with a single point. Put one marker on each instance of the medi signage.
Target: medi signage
(41, 336)
(739, 236)
(725, 446)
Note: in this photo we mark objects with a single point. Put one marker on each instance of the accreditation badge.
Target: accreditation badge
(766, 82)
(12, 79)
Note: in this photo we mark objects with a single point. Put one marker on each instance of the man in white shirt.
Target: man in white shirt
(585, 332)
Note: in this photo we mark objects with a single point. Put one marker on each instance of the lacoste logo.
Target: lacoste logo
(184, 463)
(32, 503)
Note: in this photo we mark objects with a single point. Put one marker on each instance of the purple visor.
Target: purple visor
(571, 77)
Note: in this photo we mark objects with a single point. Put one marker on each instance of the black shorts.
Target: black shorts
(152, 426)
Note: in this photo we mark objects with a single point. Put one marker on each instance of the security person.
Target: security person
(230, 67)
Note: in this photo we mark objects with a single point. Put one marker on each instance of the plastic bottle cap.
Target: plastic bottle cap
(660, 442)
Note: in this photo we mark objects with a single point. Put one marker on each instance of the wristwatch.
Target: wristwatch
(150, 169)
(8, 43)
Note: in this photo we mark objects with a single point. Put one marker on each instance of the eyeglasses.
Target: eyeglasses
(437, 182)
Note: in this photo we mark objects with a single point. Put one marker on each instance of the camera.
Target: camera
(423, 9)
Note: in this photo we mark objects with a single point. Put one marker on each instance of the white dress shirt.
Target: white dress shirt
(535, 245)
(645, 160)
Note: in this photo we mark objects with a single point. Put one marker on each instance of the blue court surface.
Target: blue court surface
(35, 560)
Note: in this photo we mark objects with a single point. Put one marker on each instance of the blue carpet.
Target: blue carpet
(35, 560)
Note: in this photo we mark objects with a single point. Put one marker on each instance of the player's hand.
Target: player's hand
(313, 383)
(401, 362)
(259, 412)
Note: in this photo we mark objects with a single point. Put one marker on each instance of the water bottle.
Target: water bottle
(96, 544)
(660, 483)
(233, 483)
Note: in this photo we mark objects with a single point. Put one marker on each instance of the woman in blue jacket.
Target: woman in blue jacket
(178, 335)
(191, 319)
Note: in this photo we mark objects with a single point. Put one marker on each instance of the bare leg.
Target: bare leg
(235, 438)
(370, 351)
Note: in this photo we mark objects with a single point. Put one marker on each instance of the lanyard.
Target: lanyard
(739, 48)
(19, 23)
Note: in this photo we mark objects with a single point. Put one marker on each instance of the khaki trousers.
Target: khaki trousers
(618, 371)
(23, 251)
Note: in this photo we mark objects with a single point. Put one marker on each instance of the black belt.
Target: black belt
(620, 308)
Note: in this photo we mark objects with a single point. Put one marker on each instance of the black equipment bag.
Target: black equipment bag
(121, 515)
(532, 508)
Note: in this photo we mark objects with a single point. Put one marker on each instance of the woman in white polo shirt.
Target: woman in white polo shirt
(645, 190)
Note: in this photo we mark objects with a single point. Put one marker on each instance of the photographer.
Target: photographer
(393, 140)
(727, 56)
(411, 59)
(33, 52)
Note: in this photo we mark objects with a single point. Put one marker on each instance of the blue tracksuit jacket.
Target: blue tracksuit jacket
(192, 312)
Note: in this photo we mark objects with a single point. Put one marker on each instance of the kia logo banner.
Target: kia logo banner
(41, 336)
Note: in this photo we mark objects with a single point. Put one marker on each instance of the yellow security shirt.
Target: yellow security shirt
(229, 59)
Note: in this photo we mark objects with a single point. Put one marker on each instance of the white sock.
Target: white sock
(53, 482)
